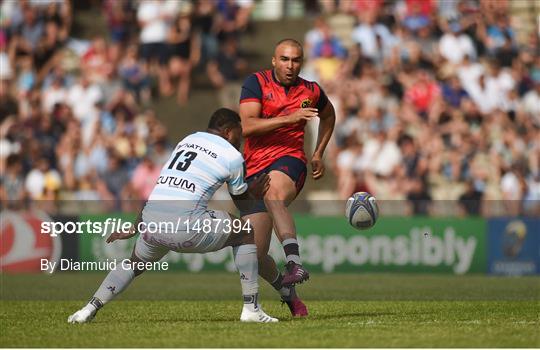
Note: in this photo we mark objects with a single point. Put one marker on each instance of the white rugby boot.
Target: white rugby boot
(256, 316)
(84, 315)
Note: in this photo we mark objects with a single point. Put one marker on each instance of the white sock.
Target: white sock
(245, 258)
(115, 282)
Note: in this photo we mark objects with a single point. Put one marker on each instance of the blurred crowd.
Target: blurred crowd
(75, 116)
(436, 100)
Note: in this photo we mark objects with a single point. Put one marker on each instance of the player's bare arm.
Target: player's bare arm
(326, 127)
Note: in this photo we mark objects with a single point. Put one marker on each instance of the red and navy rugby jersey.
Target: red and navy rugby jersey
(277, 100)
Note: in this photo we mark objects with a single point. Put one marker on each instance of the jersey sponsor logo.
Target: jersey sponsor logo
(269, 96)
(176, 182)
(198, 148)
(305, 103)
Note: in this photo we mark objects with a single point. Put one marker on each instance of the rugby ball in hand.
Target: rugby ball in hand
(361, 210)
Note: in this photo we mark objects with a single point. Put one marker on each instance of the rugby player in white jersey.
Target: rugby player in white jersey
(198, 166)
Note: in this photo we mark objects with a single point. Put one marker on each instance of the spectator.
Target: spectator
(226, 72)
(43, 182)
(83, 98)
(118, 15)
(531, 102)
(328, 55)
(424, 93)
(55, 94)
(205, 23)
(134, 76)
(27, 77)
(454, 45)
(313, 37)
(46, 53)
(28, 34)
(12, 189)
(365, 34)
(152, 17)
(184, 49)
(233, 18)
(470, 201)
(96, 63)
(453, 93)
(498, 33)
(144, 177)
(114, 181)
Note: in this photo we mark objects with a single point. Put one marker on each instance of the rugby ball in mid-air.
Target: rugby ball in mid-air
(361, 210)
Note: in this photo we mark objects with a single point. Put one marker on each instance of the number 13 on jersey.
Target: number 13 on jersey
(184, 163)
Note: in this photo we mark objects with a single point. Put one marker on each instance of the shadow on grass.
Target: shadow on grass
(288, 319)
(352, 314)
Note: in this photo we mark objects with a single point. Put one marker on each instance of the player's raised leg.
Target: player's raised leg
(281, 193)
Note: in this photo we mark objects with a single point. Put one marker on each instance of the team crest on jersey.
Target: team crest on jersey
(306, 103)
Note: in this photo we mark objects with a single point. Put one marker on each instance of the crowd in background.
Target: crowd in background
(75, 116)
(434, 99)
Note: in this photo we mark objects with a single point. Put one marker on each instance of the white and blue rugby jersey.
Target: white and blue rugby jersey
(197, 167)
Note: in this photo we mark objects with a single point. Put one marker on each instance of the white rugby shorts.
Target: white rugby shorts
(200, 238)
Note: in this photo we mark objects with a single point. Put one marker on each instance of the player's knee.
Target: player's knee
(248, 238)
(135, 266)
(274, 200)
(275, 194)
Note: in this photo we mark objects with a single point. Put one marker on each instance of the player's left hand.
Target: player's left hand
(259, 186)
(317, 167)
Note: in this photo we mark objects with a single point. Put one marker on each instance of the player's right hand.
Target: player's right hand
(259, 186)
(303, 114)
(120, 235)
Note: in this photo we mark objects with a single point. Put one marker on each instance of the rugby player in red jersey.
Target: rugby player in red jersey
(274, 107)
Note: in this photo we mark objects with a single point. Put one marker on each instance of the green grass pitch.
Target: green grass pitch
(346, 310)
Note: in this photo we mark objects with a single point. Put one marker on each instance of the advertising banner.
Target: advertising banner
(514, 246)
(414, 244)
(329, 244)
(22, 244)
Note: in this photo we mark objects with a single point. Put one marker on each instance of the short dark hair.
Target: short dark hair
(290, 41)
(403, 139)
(224, 118)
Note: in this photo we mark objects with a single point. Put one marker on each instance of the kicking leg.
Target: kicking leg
(281, 193)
